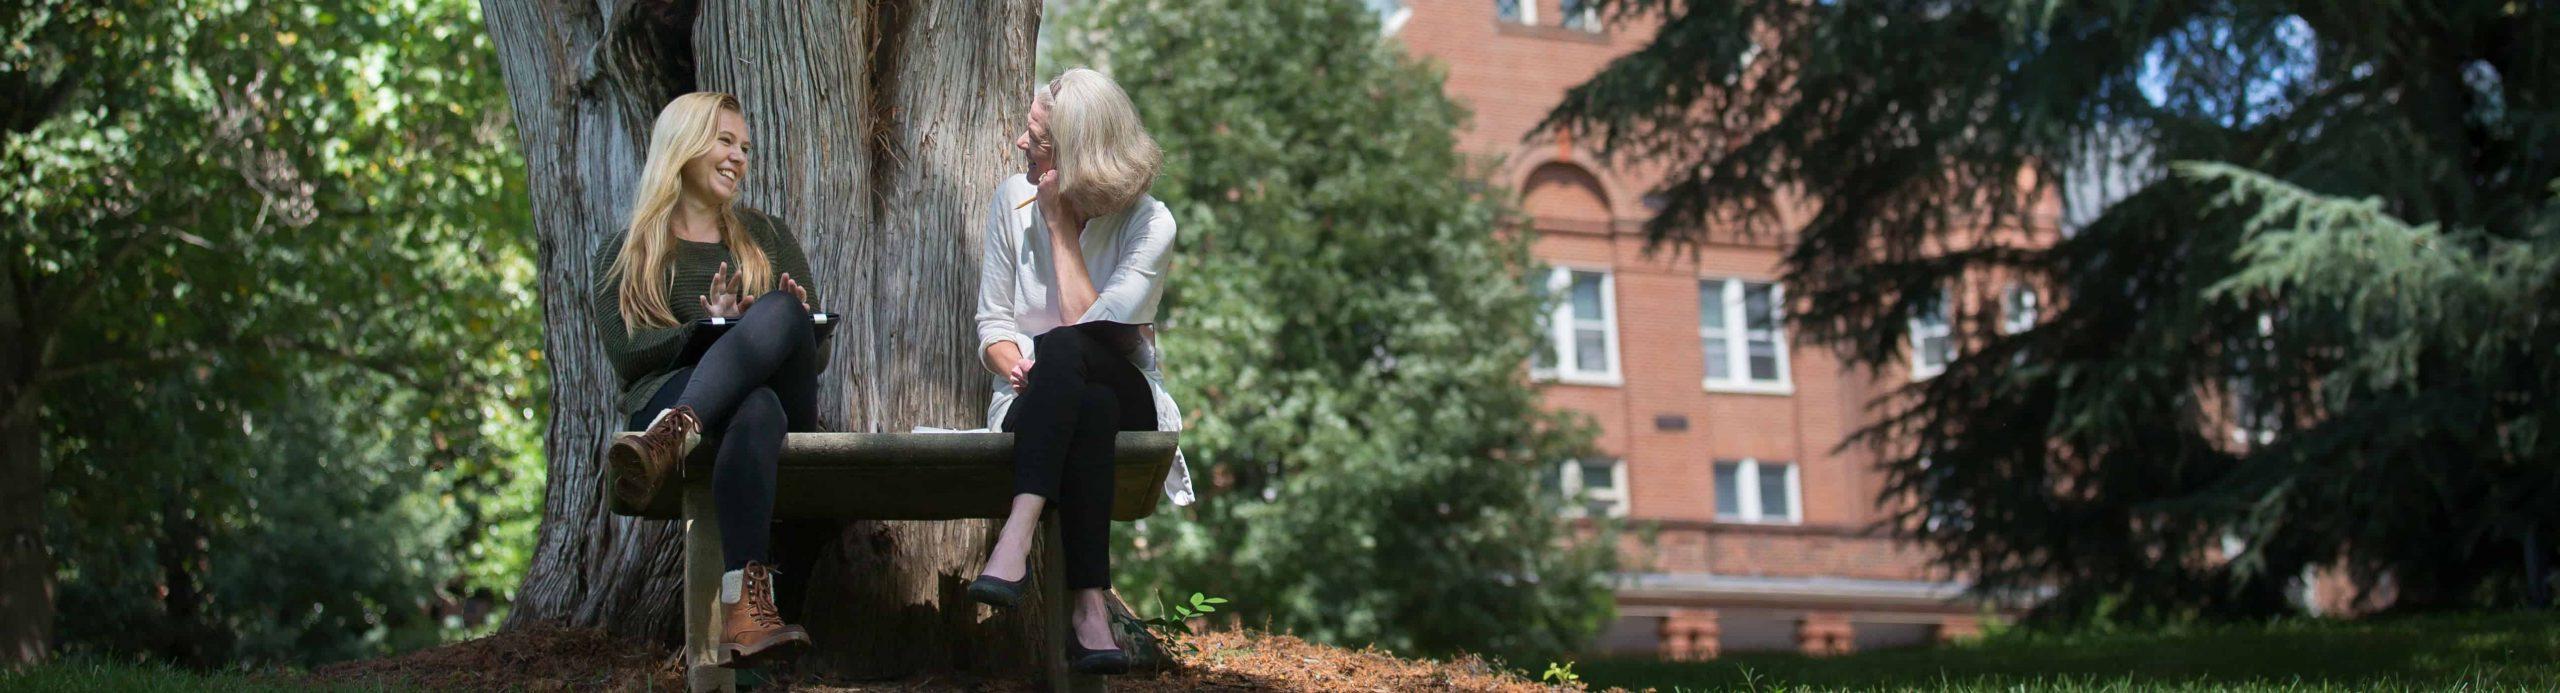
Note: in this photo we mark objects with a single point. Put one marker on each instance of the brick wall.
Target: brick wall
(1589, 216)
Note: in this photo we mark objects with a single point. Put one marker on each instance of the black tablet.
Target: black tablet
(708, 330)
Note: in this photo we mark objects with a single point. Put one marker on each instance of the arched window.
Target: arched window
(1564, 191)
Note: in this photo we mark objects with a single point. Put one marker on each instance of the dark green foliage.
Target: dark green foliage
(1348, 333)
(2328, 340)
(279, 277)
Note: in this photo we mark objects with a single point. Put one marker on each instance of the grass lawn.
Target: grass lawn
(82, 674)
(2487, 652)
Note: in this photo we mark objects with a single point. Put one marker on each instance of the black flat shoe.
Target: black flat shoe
(997, 592)
(1109, 662)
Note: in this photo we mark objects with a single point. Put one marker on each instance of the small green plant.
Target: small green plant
(1561, 674)
(1172, 623)
(1751, 680)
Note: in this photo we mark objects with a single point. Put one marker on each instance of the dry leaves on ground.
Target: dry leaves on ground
(550, 659)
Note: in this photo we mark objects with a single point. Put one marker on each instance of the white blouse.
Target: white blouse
(1125, 252)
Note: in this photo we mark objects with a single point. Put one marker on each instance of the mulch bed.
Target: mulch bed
(553, 659)
(1249, 661)
(538, 658)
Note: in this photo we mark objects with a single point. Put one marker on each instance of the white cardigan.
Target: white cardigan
(1125, 252)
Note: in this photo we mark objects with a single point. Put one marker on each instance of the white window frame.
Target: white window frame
(1738, 342)
(1392, 15)
(2240, 395)
(1528, 12)
(1589, 16)
(1746, 481)
(2018, 315)
(1561, 325)
(1938, 515)
(1577, 499)
(1921, 368)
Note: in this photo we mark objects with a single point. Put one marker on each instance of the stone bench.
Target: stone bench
(884, 476)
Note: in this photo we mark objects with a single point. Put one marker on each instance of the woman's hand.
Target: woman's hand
(1062, 216)
(1006, 359)
(724, 300)
(1019, 375)
(796, 290)
(1066, 250)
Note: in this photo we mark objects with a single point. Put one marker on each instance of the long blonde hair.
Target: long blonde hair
(1105, 159)
(686, 128)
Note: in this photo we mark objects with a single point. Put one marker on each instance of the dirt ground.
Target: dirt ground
(544, 659)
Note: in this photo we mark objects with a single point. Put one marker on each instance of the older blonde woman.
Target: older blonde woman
(1074, 268)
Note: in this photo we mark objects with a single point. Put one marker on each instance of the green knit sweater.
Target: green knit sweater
(642, 359)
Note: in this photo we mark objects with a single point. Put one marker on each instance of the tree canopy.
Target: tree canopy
(271, 266)
(2299, 268)
(1349, 334)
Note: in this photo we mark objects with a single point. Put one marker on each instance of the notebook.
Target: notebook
(705, 331)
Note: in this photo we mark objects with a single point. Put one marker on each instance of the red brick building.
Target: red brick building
(1717, 426)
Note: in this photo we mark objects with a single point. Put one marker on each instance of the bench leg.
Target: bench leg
(1053, 591)
(702, 670)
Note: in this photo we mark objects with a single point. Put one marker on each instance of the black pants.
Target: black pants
(759, 382)
(1066, 425)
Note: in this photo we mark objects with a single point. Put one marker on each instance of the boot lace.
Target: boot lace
(759, 597)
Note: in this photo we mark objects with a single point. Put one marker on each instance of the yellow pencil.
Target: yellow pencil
(1026, 202)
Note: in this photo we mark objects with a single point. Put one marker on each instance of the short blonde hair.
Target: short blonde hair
(1105, 159)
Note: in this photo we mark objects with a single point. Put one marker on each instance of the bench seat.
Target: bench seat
(884, 476)
(913, 476)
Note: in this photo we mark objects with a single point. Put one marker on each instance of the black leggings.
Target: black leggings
(757, 383)
(1066, 426)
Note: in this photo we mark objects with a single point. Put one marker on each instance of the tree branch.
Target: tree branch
(379, 364)
(384, 365)
(651, 40)
(34, 104)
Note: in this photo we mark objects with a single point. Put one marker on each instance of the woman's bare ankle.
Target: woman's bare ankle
(1092, 621)
(1007, 563)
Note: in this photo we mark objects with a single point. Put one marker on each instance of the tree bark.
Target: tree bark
(801, 71)
(26, 565)
(881, 128)
(585, 81)
(948, 80)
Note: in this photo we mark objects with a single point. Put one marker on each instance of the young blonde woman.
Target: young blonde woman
(1075, 255)
(688, 253)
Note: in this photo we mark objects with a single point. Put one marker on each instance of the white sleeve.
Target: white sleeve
(1134, 286)
(995, 282)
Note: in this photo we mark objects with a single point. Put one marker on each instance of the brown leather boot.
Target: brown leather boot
(752, 633)
(643, 461)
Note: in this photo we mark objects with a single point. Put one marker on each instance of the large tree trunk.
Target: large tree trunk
(585, 81)
(949, 77)
(880, 128)
(26, 566)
